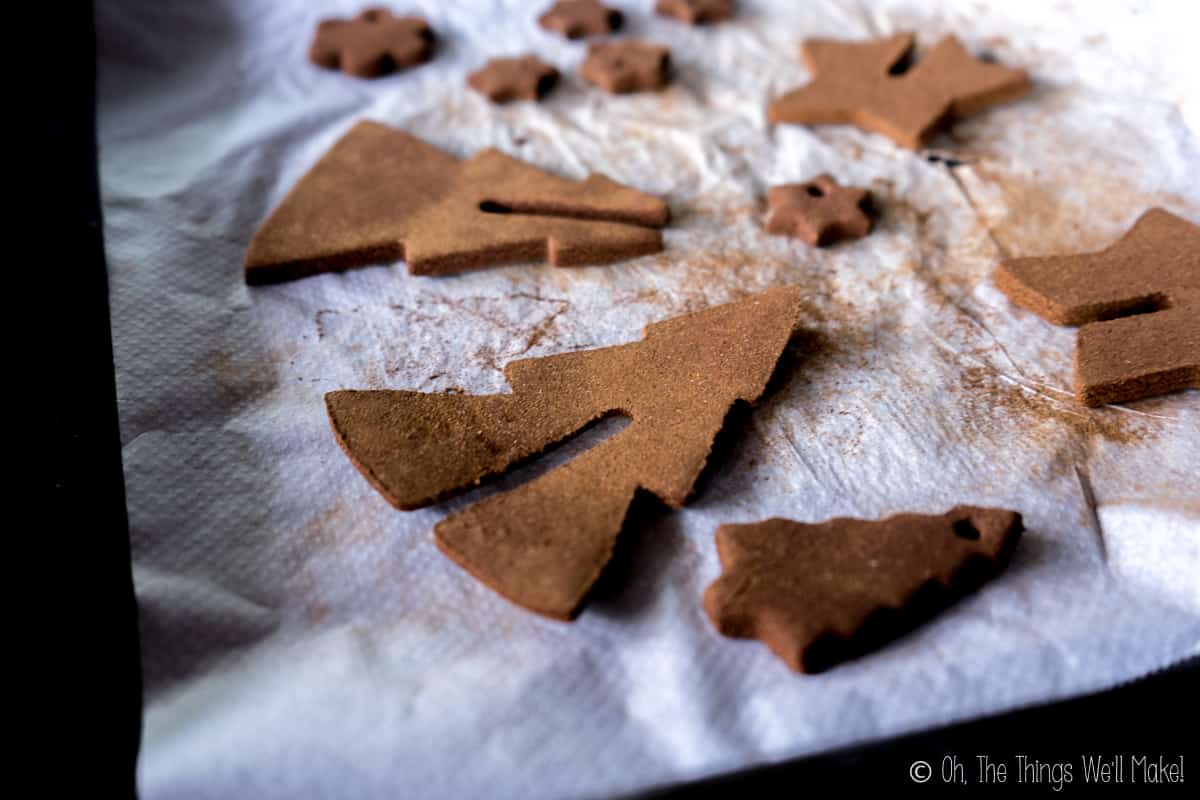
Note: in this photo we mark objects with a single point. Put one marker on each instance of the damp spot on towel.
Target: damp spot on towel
(316, 612)
(233, 380)
(338, 525)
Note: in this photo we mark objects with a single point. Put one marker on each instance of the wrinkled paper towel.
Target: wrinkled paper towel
(303, 639)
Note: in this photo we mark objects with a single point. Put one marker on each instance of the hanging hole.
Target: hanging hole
(386, 65)
(903, 64)
(544, 85)
(948, 162)
(814, 191)
(1148, 304)
(965, 529)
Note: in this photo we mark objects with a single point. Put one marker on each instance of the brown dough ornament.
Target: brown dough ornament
(382, 195)
(543, 544)
(695, 12)
(819, 212)
(372, 44)
(1150, 280)
(627, 67)
(503, 80)
(854, 82)
(819, 594)
(578, 19)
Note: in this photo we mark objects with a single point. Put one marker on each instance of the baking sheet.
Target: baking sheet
(302, 638)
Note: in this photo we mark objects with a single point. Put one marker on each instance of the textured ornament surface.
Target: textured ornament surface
(579, 19)
(695, 12)
(543, 544)
(627, 67)
(373, 44)
(818, 594)
(865, 84)
(380, 194)
(503, 80)
(819, 211)
(1138, 302)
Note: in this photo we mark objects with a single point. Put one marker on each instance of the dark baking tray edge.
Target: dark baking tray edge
(88, 725)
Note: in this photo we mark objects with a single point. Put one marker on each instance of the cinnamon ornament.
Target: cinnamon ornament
(627, 66)
(503, 80)
(695, 12)
(578, 19)
(1138, 302)
(819, 212)
(373, 44)
(382, 195)
(544, 544)
(819, 594)
(865, 84)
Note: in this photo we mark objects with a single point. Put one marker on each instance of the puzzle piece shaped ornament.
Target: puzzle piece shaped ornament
(382, 195)
(819, 212)
(695, 12)
(1138, 302)
(544, 544)
(373, 44)
(578, 19)
(862, 83)
(503, 80)
(627, 67)
(819, 594)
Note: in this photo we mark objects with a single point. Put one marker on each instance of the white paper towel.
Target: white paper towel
(302, 638)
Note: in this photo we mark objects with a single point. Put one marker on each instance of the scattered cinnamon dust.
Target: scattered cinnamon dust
(1041, 218)
(992, 395)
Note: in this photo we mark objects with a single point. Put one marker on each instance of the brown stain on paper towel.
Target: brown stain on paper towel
(1038, 220)
(986, 394)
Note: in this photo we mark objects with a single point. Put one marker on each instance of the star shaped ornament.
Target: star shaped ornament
(819, 212)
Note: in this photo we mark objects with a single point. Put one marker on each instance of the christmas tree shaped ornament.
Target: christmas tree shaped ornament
(819, 594)
(544, 544)
(381, 195)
